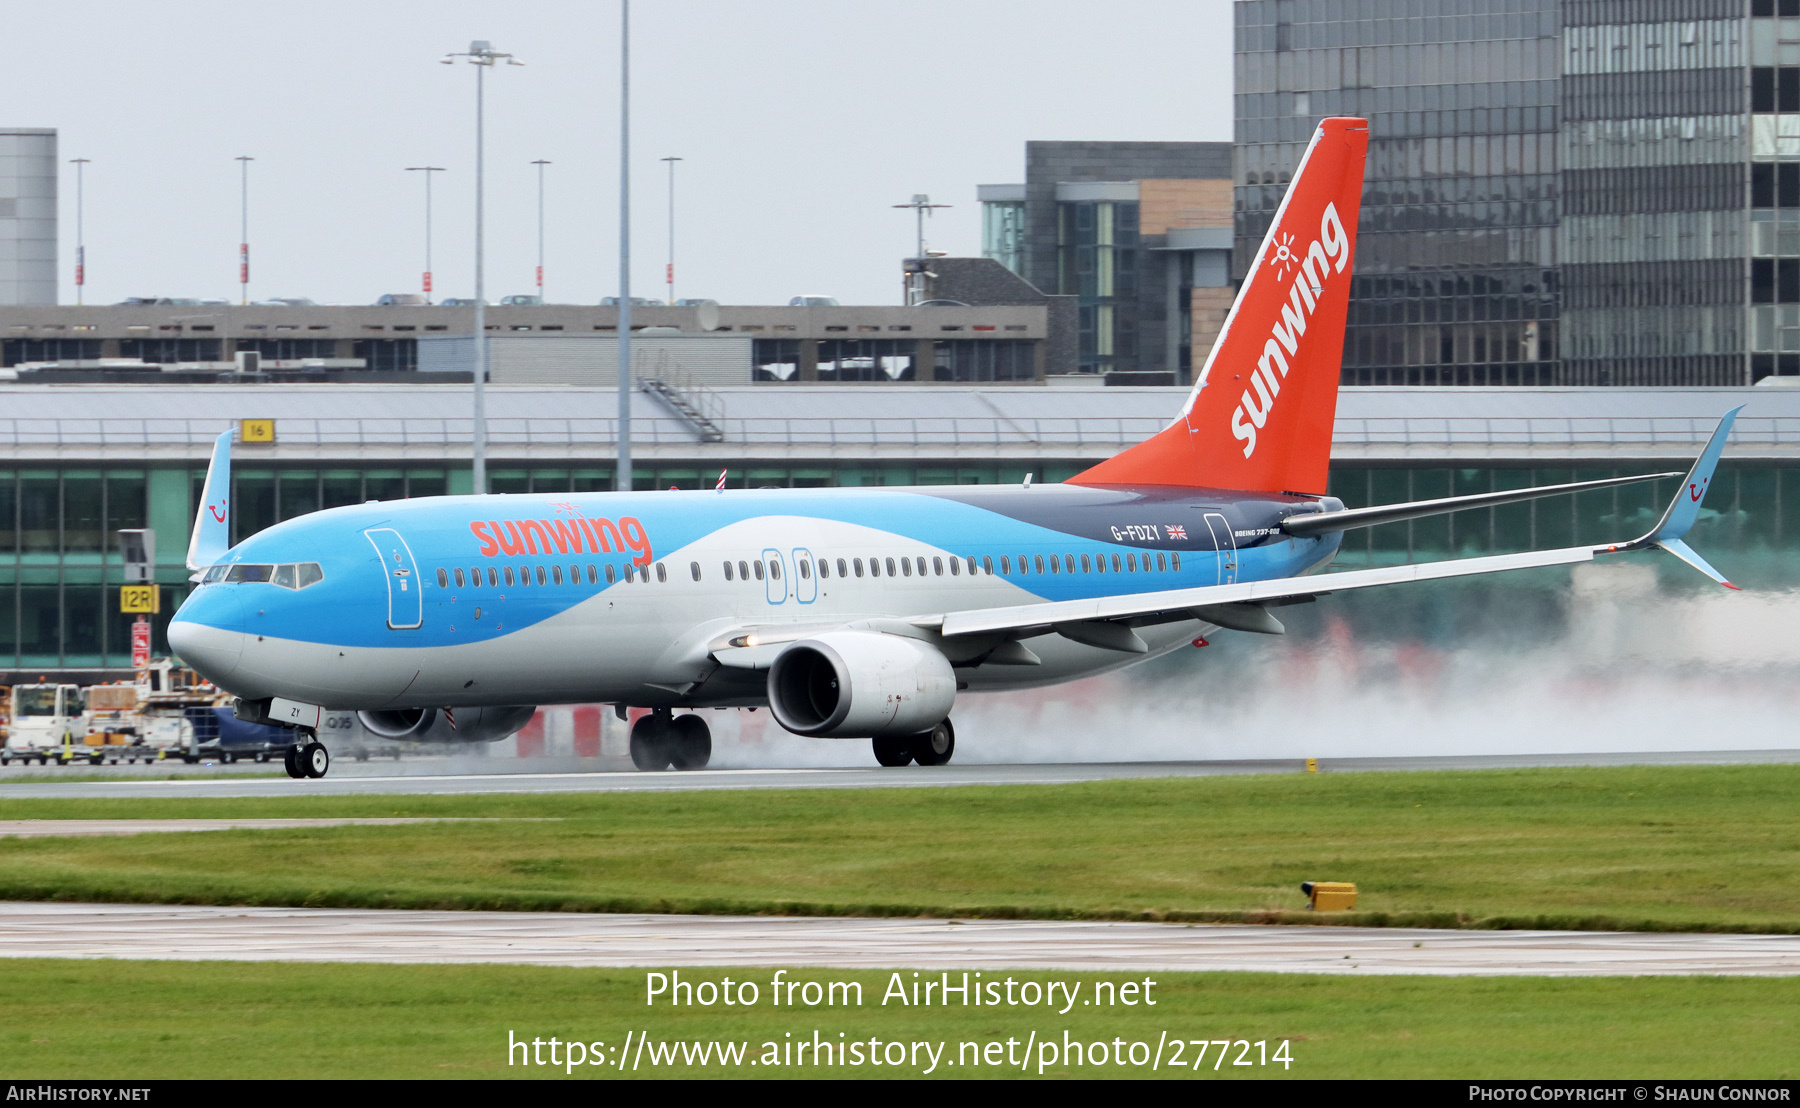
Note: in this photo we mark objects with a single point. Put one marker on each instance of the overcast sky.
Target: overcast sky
(801, 121)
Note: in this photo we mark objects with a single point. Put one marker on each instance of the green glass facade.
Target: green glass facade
(60, 567)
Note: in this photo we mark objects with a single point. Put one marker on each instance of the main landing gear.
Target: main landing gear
(928, 748)
(307, 758)
(662, 740)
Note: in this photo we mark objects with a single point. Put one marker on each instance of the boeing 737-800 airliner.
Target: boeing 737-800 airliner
(849, 613)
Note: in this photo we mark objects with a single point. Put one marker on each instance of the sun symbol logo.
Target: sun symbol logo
(1284, 254)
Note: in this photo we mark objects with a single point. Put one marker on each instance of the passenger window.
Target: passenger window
(987, 564)
(805, 570)
(955, 566)
(1040, 562)
(906, 566)
(841, 568)
(662, 572)
(728, 576)
(610, 578)
(858, 564)
(890, 567)
(1131, 563)
(1175, 560)
(509, 576)
(1161, 565)
(475, 577)
(921, 567)
(1005, 565)
(971, 565)
(574, 575)
(1115, 563)
(1025, 565)
(694, 568)
(874, 567)
(824, 568)
(759, 570)
(459, 577)
(629, 575)
(556, 572)
(494, 577)
(744, 571)
(774, 570)
(593, 578)
(442, 576)
(540, 575)
(1085, 568)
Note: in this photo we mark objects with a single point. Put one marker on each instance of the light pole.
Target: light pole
(622, 481)
(244, 161)
(80, 239)
(480, 54)
(427, 170)
(922, 207)
(671, 271)
(540, 163)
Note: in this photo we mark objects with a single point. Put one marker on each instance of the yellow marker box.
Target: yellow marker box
(1330, 896)
(143, 600)
(256, 430)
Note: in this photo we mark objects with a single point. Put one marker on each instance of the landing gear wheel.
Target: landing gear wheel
(894, 750)
(650, 743)
(934, 747)
(314, 760)
(291, 762)
(690, 742)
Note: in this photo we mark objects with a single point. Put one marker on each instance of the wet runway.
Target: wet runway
(369, 780)
(55, 828)
(574, 939)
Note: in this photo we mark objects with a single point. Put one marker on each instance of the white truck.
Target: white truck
(44, 721)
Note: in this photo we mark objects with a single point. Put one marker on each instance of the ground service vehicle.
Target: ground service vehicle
(858, 613)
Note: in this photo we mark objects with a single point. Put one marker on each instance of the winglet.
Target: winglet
(212, 523)
(1684, 510)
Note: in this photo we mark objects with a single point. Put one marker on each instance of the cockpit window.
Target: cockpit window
(290, 575)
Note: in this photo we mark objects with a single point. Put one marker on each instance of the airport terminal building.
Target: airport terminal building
(82, 461)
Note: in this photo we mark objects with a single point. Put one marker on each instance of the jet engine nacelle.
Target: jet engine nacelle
(860, 684)
(431, 725)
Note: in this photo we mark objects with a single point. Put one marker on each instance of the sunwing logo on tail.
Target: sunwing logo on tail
(1326, 255)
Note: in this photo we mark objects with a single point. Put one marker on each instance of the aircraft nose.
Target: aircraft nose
(205, 633)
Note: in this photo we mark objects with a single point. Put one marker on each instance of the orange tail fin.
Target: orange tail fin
(1261, 413)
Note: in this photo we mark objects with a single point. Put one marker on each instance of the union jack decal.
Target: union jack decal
(1176, 531)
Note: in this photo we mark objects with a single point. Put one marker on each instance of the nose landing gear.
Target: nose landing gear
(307, 758)
(662, 740)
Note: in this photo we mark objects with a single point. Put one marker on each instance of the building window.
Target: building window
(1003, 233)
(775, 360)
(984, 360)
(164, 351)
(390, 355)
(14, 351)
(866, 360)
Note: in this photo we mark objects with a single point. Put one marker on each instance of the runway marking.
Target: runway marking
(580, 939)
(829, 778)
(58, 828)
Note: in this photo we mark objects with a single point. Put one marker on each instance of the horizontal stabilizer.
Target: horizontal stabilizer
(1320, 523)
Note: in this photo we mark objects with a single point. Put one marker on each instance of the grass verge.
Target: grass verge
(1640, 848)
(121, 1019)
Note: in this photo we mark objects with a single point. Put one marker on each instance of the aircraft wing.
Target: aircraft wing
(1107, 621)
(1194, 603)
